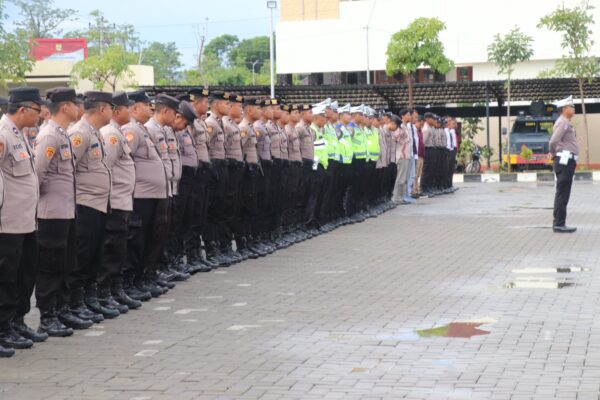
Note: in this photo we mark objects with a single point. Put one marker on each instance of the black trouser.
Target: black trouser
(290, 215)
(182, 212)
(115, 248)
(217, 209)
(18, 270)
(265, 197)
(371, 184)
(91, 226)
(57, 257)
(278, 180)
(426, 176)
(248, 216)
(357, 188)
(391, 171)
(304, 189)
(347, 177)
(329, 189)
(199, 206)
(148, 233)
(315, 196)
(564, 181)
(233, 195)
(451, 167)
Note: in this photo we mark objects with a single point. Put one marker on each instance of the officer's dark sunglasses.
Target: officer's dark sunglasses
(37, 110)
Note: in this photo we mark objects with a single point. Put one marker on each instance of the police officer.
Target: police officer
(93, 184)
(564, 151)
(250, 201)
(18, 242)
(151, 188)
(429, 163)
(343, 131)
(318, 175)
(264, 195)
(182, 220)
(161, 134)
(307, 150)
(55, 168)
(200, 188)
(121, 165)
(293, 216)
(217, 209)
(275, 128)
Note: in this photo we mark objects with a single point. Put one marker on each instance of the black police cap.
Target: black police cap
(21, 94)
(253, 101)
(199, 92)
(139, 96)
(188, 111)
(236, 98)
(218, 95)
(120, 98)
(167, 100)
(98, 97)
(184, 97)
(59, 94)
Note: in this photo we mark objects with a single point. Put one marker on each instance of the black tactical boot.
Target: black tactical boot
(71, 320)
(91, 301)
(11, 339)
(120, 296)
(50, 325)
(106, 300)
(78, 308)
(18, 324)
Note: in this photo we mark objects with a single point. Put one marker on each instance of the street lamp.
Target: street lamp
(271, 5)
(253, 65)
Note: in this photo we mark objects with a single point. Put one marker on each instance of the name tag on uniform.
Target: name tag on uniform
(65, 152)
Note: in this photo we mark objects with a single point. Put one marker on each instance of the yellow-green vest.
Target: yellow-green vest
(373, 149)
(359, 143)
(320, 147)
(333, 144)
(345, 142)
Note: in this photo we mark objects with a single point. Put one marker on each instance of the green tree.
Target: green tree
(575, 25)
(220, 47)
(104, 69)
(250, 50)
(15, 61)
(41, 19)
(164, 57)
(507, 51)
(415, 46)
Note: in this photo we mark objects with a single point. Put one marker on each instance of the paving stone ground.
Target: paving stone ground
(336, 317)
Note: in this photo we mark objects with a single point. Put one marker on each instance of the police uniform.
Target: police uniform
(19, 196)
(217, 209)
(250, 200)
(564, 150)
(291, 215)
(200, 189)
(264, 194)
(93, 186)
(146, 224)
(307, 151)
(119, 161)
(55, 168)
(318, 174)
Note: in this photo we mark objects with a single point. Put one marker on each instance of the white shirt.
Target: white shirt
(450, 145)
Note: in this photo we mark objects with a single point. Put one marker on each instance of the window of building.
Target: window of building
(464, 74)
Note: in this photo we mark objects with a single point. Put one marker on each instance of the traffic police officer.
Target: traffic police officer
(564, 151)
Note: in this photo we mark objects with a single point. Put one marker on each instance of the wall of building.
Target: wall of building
(339, 43)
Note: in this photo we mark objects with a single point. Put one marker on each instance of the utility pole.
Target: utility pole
(201, 37)
(100, 27)
(367, 33)
(271, 5)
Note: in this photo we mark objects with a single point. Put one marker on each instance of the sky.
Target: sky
(179, 21)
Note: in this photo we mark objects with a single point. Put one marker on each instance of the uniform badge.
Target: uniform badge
(209, 129)
(50, 151)
(187, 140)
(163, 146)
(76, 140)
(23, 155)
(243, 134)
(257, 133)
(112, 139)
(96, 152)
(129, 136)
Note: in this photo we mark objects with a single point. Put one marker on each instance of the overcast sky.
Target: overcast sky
(176, 21)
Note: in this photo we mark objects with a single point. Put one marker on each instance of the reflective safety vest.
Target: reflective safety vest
(372, 144)
(359, 143)
(345, 142)
(333, 144)
(320, 143)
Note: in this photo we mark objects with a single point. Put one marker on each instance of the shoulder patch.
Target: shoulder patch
(50, 151)
(209, 129)
(243, 133)
(129, 136)
(76, 140)
(113, 139)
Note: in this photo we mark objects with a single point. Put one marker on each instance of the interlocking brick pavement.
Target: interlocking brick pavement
(336, 317)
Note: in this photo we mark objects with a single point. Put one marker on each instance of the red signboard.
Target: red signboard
(59, 49)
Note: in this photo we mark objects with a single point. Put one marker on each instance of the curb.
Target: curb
(583, 176)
